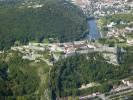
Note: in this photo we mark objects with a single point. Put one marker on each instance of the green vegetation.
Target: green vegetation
(127, 57)
(22, 79)
(116, 18)
(121, 20)
(69, 74)
(59, 20)
(56, 21)
(111, 42)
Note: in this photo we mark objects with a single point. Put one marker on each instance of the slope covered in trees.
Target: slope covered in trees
(69, 74)
(22, 79)
(56, 19)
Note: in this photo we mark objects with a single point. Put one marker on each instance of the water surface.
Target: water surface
(94, 33)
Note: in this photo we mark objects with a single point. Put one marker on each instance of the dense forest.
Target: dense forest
(22, 79)
(17, 77)
(58, 20)
(25, 80)
(69, 74)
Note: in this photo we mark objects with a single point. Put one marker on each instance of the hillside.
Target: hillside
(59, 20)
(22, 79)
(70, 74)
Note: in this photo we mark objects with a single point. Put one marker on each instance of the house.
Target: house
(129, 29)
(111, 24)
(130, 42)
(127, 82)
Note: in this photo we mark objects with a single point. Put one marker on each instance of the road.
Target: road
(103, 97)
(119, 93)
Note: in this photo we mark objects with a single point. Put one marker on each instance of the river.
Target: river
(94, 33)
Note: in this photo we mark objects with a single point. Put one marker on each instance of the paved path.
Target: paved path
(120, 93)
